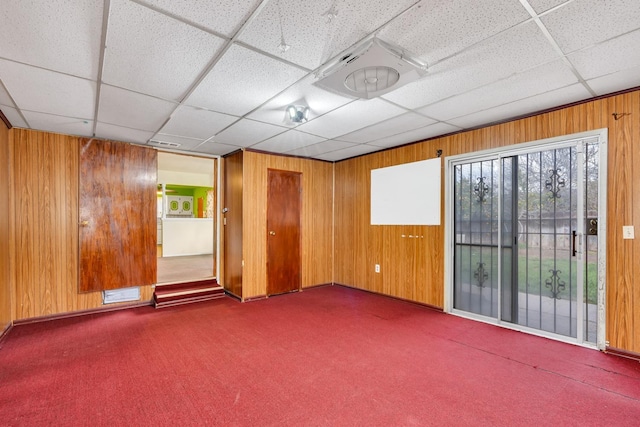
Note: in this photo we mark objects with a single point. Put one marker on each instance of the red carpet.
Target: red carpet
(327, 356)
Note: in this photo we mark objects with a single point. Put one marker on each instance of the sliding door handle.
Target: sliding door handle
(574, 250)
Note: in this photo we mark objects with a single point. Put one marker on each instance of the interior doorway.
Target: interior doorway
(186, 218)
(527, 237)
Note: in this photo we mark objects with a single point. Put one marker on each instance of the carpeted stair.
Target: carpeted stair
(170, 294)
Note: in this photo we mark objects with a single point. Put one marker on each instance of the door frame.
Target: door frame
(511, 150)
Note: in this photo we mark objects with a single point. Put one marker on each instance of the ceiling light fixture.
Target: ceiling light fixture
(297, 114)
(283, 46)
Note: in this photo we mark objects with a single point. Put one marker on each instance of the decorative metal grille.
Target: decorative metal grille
(555, 183)
(555, 284)
(481, 189)
(480, 274)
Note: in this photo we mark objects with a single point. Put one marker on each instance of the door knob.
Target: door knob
(273, 233)
(84, 223)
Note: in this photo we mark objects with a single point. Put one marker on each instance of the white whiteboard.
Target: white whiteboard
(407, 194)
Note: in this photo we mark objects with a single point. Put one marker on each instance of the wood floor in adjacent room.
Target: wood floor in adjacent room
(328, 356)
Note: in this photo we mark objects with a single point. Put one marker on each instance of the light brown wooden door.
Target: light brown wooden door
(117, 215)
(284, 205)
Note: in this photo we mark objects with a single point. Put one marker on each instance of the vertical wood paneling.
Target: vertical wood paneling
(5, 284)
(359, 245)
(317, 211)
(44, 226)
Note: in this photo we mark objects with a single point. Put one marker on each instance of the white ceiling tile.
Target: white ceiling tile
(529, 83)
(615, 81)
(13, 116)
(222, 17)
(534, 104)
(312, 38)
(394, 126)
(59, 124)
(46, 91)
(618, 54)
(196, 123)
(447, 27)
(287, 141)
(345, 153)
(216, 148)
(541, 6)
(420, 134)
(184, 142)
(59, 35)
(305, 93)
(5, 99)
(351, 117)
(512, 51)
(320, 148)
(134, 110)
(584, 23)
(119, 133)
(247, 132)
(241, 81)
(149, 52)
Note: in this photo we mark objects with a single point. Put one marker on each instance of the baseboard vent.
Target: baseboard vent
(121, 295)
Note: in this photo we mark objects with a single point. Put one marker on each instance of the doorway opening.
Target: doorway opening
(187, 200)
(526, 237)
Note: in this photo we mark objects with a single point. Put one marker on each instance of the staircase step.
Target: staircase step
(170, 294)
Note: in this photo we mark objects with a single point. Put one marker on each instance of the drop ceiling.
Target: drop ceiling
(214, 77)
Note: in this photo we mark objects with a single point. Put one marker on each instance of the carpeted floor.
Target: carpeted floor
(329, 356)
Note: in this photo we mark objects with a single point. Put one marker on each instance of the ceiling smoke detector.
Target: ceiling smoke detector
(371, 70)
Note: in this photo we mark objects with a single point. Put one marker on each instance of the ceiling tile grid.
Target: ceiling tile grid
(241, 81)
(197, 123)
(415, 135)
(59, 124)
(583, 23)
(447, 27)
(119, 133)
(510, 52)
(351, 117)
(131, 109)
(245, 133)
(522, 107)
(538, 80)
(219, 16)
(211, 77)
(320, 148)
(39, 90)
(287, 141)
(59, 35)
(312, 36)
(393, 126)
(151, 53)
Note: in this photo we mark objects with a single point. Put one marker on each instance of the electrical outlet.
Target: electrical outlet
(628, 232)
(377, 268)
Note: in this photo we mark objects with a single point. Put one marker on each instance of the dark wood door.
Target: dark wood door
(118, 211)
(232, 223)
(284, 204)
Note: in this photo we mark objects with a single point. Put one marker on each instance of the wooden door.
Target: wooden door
(284, 203)
(232, 224)
(117, 215)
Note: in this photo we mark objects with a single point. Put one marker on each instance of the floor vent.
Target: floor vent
(121, 295)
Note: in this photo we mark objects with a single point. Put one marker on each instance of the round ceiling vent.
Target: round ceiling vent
(371, 79)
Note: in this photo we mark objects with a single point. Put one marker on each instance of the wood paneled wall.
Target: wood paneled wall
(413, 269)
(44, 226)
(5, 287)
(317, 220)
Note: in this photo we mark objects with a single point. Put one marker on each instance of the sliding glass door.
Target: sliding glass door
(525, 244)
